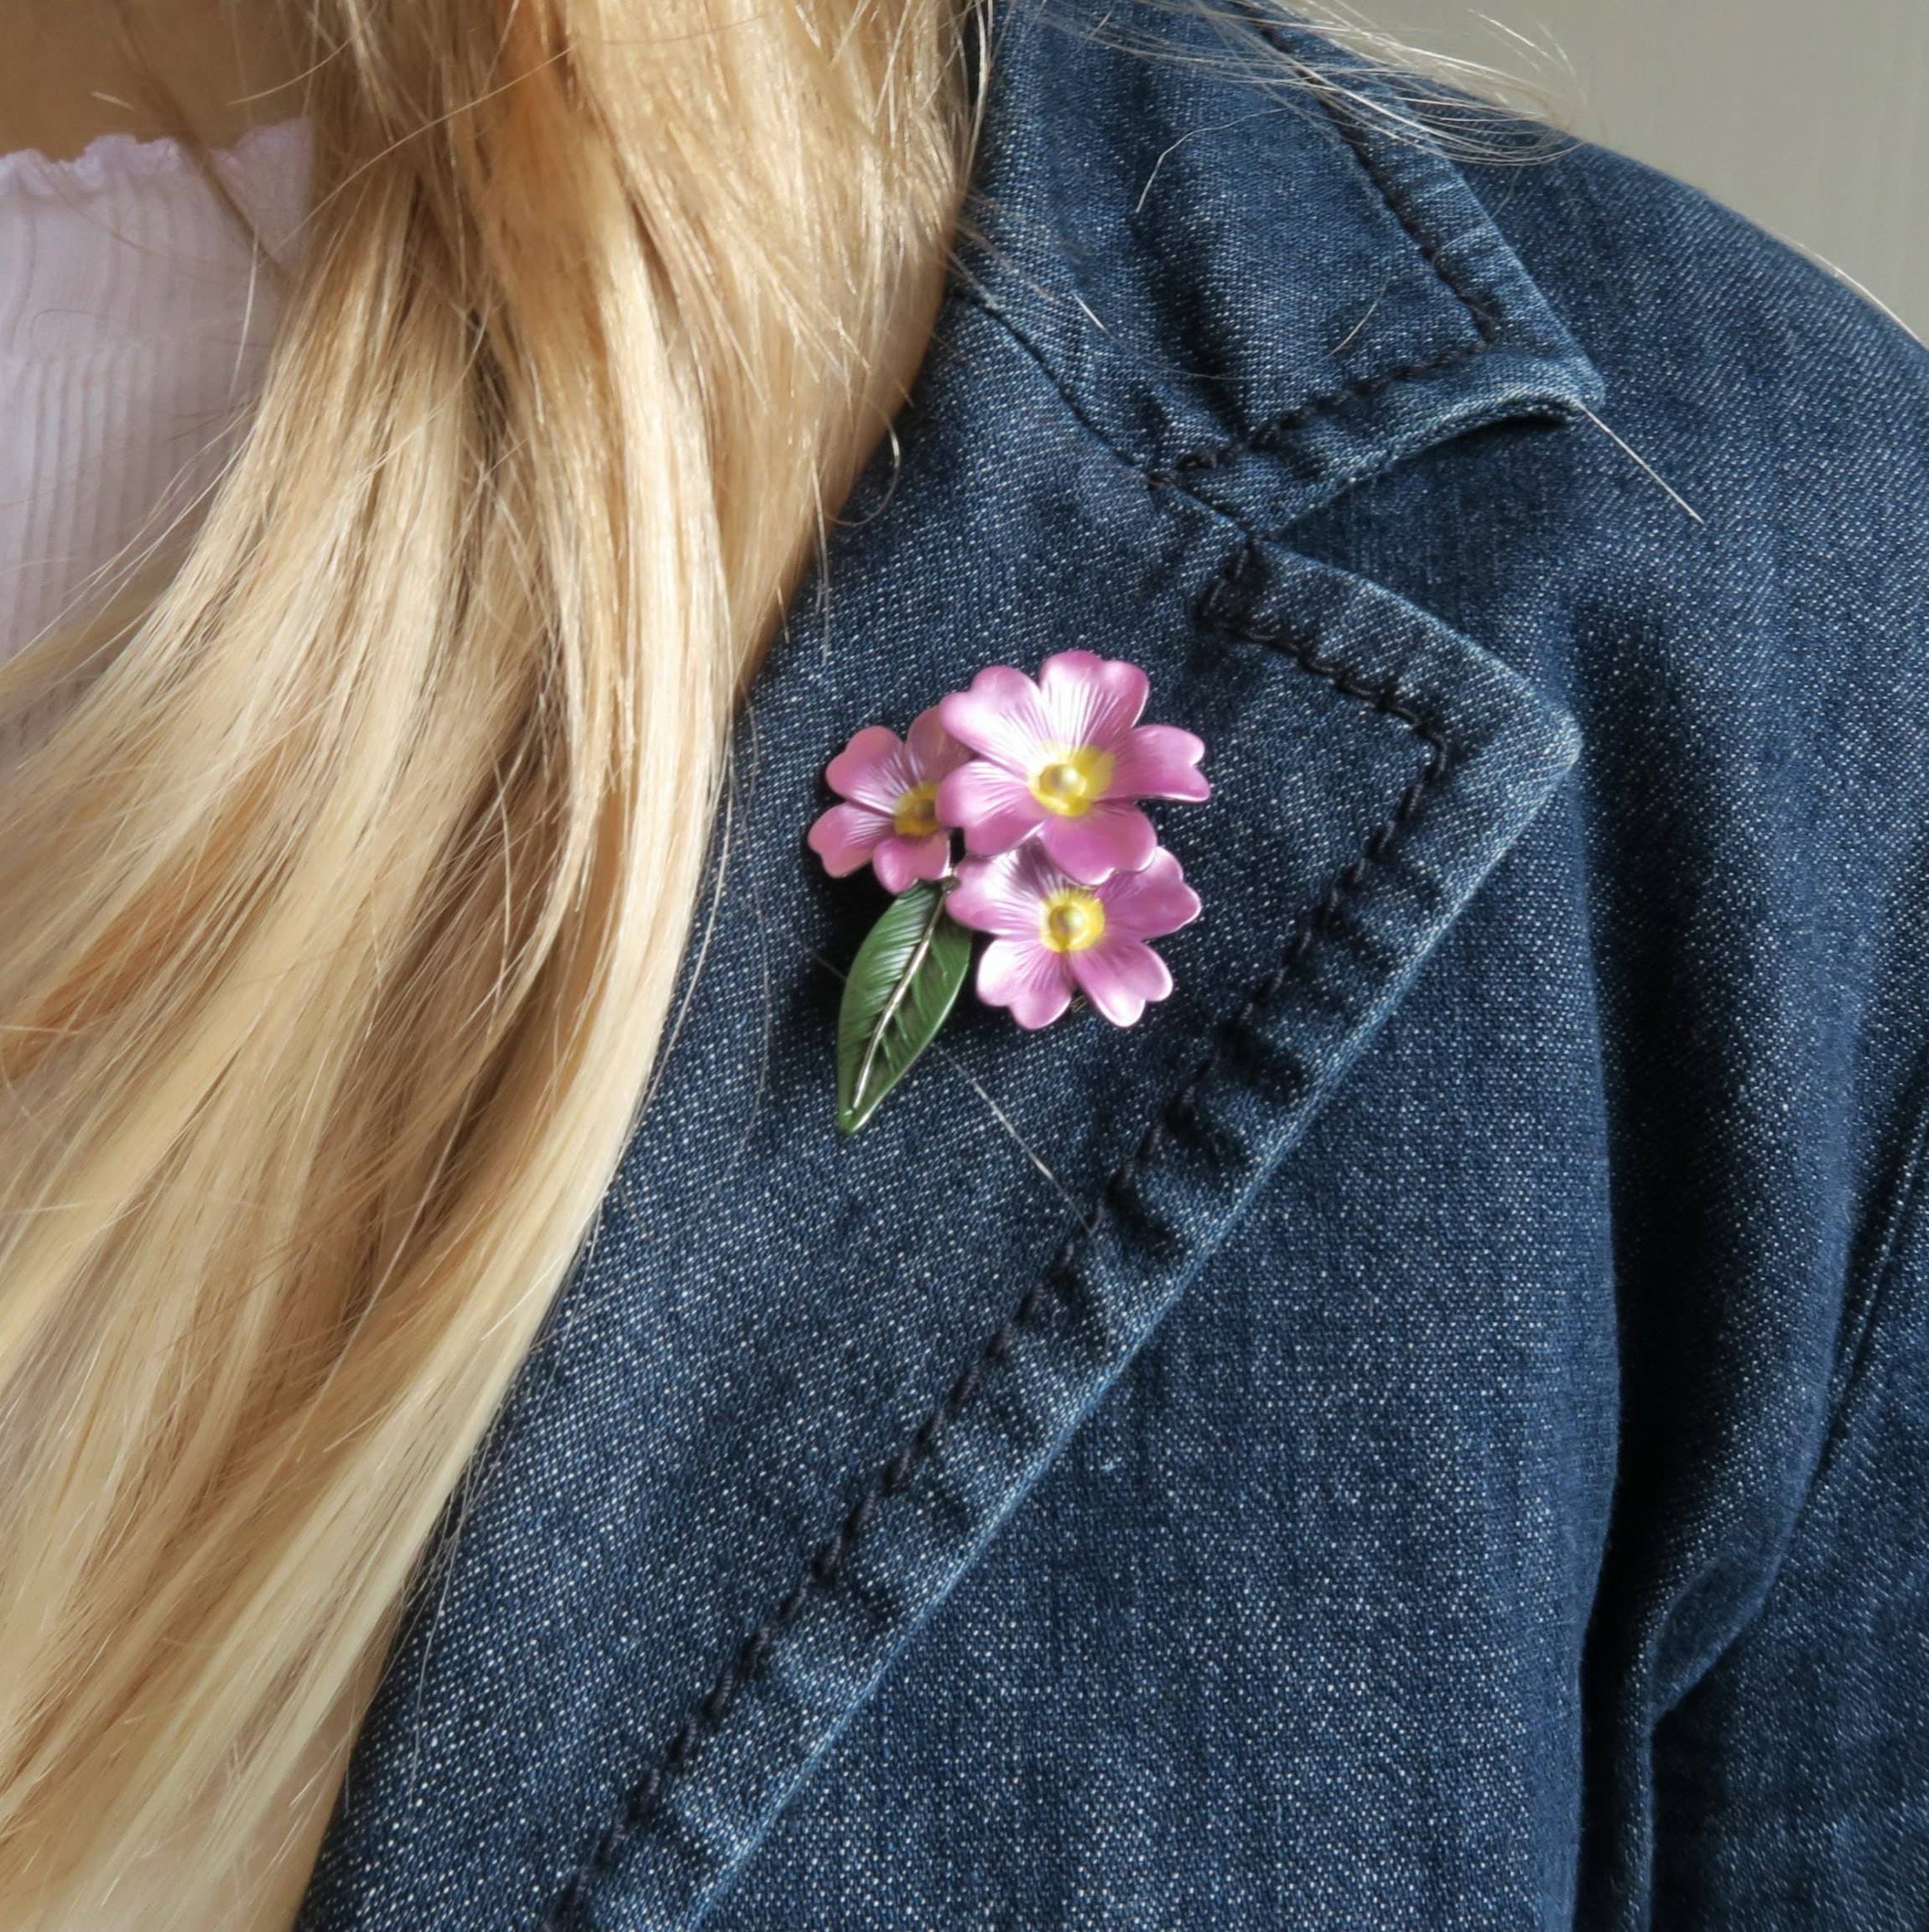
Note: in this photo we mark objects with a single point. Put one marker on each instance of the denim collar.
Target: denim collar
(796, 1382)
(1259, 295)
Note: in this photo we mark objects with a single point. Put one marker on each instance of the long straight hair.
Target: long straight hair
(341, 906)
(345, 878)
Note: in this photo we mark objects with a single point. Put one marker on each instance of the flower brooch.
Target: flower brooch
(1043, 780)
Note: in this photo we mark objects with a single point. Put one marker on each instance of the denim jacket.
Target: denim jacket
(1429, 1429)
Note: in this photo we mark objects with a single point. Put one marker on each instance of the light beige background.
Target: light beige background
(1810, 118)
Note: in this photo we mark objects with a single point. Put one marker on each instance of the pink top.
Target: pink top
(134, 327)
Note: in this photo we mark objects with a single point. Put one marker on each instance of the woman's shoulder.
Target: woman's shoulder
(1690, 309)
(1767, 424)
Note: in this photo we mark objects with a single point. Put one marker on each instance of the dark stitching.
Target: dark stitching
(1429, 250)
(1268, 433)
(1218, 610)
(1176, 1120)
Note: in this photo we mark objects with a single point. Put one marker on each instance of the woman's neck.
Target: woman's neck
(85, 68)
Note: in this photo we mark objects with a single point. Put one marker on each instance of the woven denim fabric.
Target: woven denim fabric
(1427, 1430)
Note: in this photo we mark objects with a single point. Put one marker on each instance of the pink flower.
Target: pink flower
(1054, 934)
(1065, 758)
(890, 817)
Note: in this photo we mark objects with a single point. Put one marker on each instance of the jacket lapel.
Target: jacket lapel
(797, 1381)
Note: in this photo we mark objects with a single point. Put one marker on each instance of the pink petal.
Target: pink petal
(1001, 716)
(930, 750)
(993, 806)
(1028, 978)
(1151, 902)
(1115, 836)
(1089, 700)
(870, 770)
(1119, 976)
(899, 861)
(1157, 762)
(1003, 895)
(846, 836)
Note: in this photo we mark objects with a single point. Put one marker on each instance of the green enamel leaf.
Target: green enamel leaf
(902, 984)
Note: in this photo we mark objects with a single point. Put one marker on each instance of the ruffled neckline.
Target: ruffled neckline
(110, 158)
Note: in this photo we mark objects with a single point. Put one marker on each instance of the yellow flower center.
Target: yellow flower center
(915, 815)
(1072, 779)
(1073, 920)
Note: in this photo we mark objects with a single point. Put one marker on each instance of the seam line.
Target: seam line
(1179, 1120)
(1268, 434)
(1430, 251)
(1858, 1337)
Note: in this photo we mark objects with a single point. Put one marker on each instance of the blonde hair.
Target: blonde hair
(343, 904)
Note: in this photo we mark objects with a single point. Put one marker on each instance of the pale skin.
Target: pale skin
(209, 69)
(73, 71)
(76, 69)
